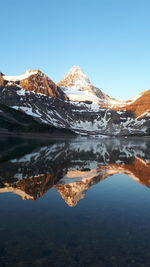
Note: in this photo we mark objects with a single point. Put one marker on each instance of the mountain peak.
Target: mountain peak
(76, 70)
(78, 87)
(75, 78)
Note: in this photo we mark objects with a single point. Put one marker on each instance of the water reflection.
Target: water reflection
(30, 169)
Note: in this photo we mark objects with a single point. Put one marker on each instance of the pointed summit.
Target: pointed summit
(78, 87)
(75, 78)
(78, 72)
(75, 69)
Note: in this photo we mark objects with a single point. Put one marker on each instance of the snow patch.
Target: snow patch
(27, 110)
(20, 77)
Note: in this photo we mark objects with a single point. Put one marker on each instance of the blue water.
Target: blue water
(109, 226)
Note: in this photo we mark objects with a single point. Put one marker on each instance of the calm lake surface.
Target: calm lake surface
(75, 202)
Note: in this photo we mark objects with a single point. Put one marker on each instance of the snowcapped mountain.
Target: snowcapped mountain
(78, 87)
(74, 104)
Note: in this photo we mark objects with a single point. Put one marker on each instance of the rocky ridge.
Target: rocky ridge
(36, 81)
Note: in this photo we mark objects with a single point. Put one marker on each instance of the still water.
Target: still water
(75, 202)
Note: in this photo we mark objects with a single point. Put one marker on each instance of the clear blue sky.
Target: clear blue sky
(108, 39)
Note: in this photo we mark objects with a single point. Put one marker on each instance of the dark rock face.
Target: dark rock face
(15, 121)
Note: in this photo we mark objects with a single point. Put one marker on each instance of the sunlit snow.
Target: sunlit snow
(20, 77)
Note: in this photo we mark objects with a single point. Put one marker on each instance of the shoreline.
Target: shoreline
(59, 136)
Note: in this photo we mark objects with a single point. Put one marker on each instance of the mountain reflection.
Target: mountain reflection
(70, 166)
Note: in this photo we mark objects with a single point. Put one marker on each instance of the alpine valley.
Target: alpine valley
(32, 102)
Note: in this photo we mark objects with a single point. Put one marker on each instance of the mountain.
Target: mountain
(75, 104)
(36, 81)
(78, 87)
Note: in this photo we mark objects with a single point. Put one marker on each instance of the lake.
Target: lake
(75, 202)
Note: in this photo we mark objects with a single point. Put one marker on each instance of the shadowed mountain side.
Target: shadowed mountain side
(16, 121)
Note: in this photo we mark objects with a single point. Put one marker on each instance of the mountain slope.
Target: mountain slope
(138, 105)
(12, 120)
